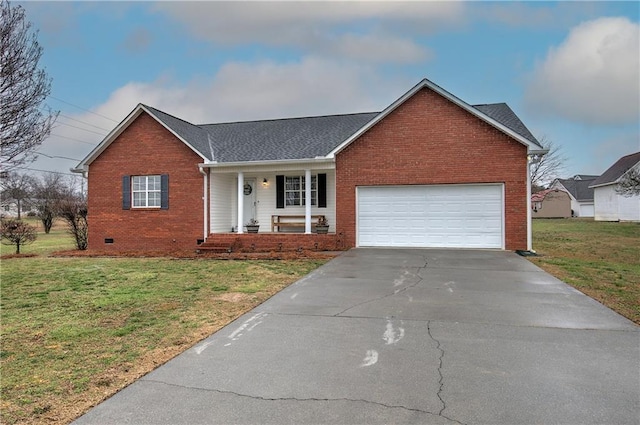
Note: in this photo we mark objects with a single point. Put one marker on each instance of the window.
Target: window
(145, 191)
(294, 191)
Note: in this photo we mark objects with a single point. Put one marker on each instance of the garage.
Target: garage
(439, 216)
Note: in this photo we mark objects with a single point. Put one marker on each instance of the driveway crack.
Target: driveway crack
(310, 399)
(395, 292)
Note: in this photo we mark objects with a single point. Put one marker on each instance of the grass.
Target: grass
(76, 330)
(600, 259)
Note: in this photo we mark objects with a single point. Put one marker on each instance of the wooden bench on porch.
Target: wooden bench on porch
(280, 221)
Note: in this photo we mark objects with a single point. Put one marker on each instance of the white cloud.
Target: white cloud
(366, 31)
(235, 92)
(593, 77)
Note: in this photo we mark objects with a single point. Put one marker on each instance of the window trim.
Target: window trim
(301, 191)
(146, 191)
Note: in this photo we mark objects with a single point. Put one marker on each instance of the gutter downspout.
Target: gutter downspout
(529, 230)
(205, 199)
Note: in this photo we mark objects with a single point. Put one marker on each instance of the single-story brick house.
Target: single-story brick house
(428, 171)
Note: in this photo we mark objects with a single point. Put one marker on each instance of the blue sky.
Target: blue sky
(570, 70)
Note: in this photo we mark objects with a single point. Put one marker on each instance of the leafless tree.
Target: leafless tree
(47, 194)
(74, 212)
(17, 232)
(23, 88)
(545, 168)
(629, 184)
(16, 188)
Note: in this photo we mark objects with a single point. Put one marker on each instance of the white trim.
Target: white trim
(528, 201)
(531, 147)
(240, 202)
(274, 165)
(307, 199)
(205, 201)
(104, 144)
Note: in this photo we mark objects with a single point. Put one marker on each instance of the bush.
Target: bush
(18, 233)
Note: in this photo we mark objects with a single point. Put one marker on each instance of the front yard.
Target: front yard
(600, 259)
(76, 330)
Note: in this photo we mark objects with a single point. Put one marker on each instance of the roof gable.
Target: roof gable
(580, 190)
(532, 144)
(617, 170)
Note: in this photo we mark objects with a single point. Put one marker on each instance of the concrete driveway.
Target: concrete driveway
(403, 336)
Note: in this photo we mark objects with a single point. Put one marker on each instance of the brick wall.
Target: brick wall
(145, 148)
(429, 140)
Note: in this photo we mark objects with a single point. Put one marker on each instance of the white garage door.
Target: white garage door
(447, 216)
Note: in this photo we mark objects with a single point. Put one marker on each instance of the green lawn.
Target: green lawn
(75, 330)
(601, 259)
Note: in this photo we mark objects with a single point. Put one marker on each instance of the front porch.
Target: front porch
(271, 242)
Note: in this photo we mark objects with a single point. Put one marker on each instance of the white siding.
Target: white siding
(610, 206)
(224, 204)
(605, 201)
(629, 208)
(221, 201)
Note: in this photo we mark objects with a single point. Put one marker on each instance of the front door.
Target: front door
(249, 201)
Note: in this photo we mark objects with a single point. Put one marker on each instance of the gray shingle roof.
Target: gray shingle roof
(616, 171)
(579, 189)
(292, 138)
(505, 116)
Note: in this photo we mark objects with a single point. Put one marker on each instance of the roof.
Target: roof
(293, 138)
(617, 170)
(303, 138)
(579, 189)
(503, 114)
(585, 177)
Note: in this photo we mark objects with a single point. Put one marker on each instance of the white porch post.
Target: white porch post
(307, 205)
(240, 201)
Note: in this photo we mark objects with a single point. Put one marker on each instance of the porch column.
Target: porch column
(307, 204)
(240, 201)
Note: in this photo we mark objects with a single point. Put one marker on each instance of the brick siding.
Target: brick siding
(430, 140)
(145, 148)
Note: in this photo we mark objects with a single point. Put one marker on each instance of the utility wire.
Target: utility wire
(84, 129)
(47, 171)
(75, 140)
(83, 122)
(56, 156)
(84, 109)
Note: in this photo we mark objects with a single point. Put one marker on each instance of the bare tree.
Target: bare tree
(629, 184)
(18, 233)
(74, 212)
(23, 89)
(47, 193)
(545, 168)
(16, 188)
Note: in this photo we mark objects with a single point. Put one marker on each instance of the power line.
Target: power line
(84, 129)
(47, 171)
(84, 109)
(75, 140)
(83, 122)
(56, 156)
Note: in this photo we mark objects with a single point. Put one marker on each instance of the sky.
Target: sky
(570, 70)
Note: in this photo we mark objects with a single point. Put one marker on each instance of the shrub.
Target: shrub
(18, 233)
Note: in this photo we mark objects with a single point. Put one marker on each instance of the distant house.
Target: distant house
(610, 205)
(551, 203)
(580, 192)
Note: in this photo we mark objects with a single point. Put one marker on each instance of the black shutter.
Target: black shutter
(126, 192)
(164, 192)
(279, 191)
(322, 190)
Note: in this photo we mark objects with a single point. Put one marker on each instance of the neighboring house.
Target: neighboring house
(580, 192)
(551, 203)
(428, 171)
(610, 205)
